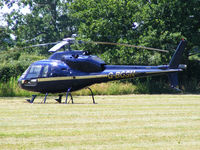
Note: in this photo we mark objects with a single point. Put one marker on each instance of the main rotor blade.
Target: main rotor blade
(38, 45)
(58, 46)
(129, 45)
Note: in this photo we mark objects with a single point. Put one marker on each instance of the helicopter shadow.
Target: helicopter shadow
(50, 103)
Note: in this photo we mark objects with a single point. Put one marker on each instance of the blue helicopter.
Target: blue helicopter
(72, 70)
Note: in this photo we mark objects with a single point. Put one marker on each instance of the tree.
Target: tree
(161, 24)
(166, 22)
(5, 39)
(110, 21)
(47, 21)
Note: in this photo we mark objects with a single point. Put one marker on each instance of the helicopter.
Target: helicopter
(72, 70)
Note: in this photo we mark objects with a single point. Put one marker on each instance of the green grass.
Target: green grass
(116, 122)
(10, 88)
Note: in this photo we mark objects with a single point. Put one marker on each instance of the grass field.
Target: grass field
(116, 122)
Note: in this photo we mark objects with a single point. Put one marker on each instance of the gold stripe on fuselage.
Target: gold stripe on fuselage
(71, 78)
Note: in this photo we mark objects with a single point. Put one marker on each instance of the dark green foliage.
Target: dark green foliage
(190, 78)
(109, 21)
(5, 39)
(161, 24)
(13, 69)
(14, 63)
(49, 21)
(9, 56)
(153, 85)
(10, 88)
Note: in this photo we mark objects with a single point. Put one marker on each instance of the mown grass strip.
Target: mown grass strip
(116, 122)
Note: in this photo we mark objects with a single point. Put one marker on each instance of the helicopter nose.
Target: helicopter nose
(31, 82)
(21, 83)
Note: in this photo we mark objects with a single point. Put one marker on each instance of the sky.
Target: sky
(5, 9)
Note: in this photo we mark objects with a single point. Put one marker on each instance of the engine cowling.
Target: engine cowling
(84, 63)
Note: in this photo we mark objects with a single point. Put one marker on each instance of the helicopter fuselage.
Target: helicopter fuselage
(55, 76)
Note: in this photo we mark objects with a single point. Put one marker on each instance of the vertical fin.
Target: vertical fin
(176, 58)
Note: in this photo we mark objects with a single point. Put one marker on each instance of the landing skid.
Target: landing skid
(59, 100)
(32, 99)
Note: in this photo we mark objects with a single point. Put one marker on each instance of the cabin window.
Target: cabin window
(59, 72)
(34, 71)
(45, 71)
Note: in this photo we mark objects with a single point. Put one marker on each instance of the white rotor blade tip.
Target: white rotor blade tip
(58, 46)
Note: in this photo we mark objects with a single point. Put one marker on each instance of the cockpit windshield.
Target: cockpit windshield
(25, 72)
(34, 71)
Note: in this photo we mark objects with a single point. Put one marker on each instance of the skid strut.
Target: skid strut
(45, 98)
(68, 93)
(92, 95)
(71, 98)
